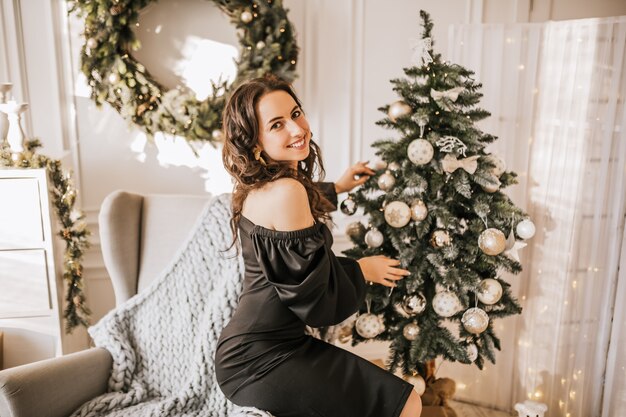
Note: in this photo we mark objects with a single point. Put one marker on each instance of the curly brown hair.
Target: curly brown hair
(241, 131)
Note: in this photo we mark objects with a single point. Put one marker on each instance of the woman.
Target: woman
(292, 278)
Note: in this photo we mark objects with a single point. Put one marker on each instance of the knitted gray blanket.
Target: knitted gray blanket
(163, 340)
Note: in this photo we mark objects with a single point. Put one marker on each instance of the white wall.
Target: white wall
(350, 51)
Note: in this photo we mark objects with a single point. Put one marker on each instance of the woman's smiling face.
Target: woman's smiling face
(284, 132)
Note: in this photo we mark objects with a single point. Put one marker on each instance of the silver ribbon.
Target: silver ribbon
(421, 56)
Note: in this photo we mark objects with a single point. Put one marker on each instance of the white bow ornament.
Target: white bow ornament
(450, 163)
(421, 56)
(445, 99)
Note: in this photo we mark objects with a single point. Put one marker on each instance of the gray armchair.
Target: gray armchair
(139, 235)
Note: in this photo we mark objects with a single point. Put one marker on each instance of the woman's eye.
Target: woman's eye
(296, 114)
(276, 125)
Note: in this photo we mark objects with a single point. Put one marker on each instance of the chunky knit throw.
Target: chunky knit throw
(163, 340)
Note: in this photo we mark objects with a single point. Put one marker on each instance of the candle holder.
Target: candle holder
(5, 90)
(15, 135)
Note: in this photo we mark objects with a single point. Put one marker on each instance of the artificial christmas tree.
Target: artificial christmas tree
(438, 207)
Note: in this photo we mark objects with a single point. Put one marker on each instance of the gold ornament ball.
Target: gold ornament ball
(260, 45)
(419, 211)
(410, 331)
(489, 291)
(397, 214)
(246, 17)
(492, 242)
(398, 109)
(418, 383)
(440, 238)
(394, 166)
(91, 43)
(475, 320)
(420, 151)
(386, 181)
(356, 231)
(369, 325)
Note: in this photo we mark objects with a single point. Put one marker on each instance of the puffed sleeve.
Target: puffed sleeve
(319, 287)
(328, 190)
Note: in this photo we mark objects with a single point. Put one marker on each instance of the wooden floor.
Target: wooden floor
(470, 410)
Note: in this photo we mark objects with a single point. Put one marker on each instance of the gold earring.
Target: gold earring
(257, 155)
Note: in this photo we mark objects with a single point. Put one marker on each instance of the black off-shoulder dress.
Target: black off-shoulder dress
(265, 360)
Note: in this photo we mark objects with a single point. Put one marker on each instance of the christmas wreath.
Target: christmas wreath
(267, 45)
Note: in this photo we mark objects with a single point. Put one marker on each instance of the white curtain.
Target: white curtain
(556, 92)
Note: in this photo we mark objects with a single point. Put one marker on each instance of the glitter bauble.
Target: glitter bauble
(499, 164)
(475, 320)
(348, 206)
(419, 211)
(472, 352)
(525, 229)
(374, 238)
(418, 383)
(356, 231)
(446, 303)
(414, 304)
(386, 181)
(369, 325)
(398, 109)
(420, 152)
(410, 331)
(440, 238)
(397, 214)
(246, 17)
(492, 242)
(489, 291)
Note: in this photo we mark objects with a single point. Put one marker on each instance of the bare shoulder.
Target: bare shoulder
(280, 205)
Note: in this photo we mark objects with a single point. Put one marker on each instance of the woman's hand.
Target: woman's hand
(381, 270)
(347, 181)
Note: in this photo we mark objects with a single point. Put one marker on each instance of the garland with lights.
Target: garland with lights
(267, 45)
(73, 228)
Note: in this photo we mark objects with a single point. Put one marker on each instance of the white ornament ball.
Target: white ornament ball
(446, 303)
(394, 166)
(410, 331)
(420, 151)
(490, 188)
(489, 291)
(398, 109)
(492, 242)
(386, 181)
(260, 45)
(500, 165)
(92, 43)
(472, 352)
(475, 320)
(114, 78)
(397, 214)
(217, 134)
(374, 238)
(440, 238)
(419, 211)
(378, 164)
(246, 17)
(525, 229)
(369, 325)
(418, 383)
(414, 304)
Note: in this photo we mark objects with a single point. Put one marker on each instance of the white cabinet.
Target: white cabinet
(31, 272)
